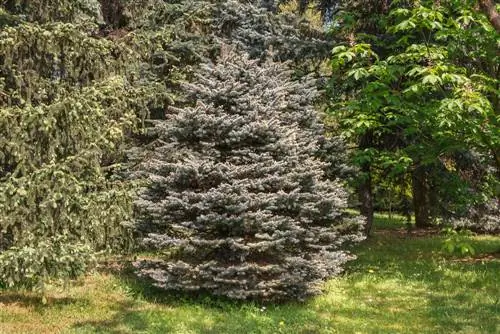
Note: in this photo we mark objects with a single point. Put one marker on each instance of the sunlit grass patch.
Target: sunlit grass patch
(400, 283)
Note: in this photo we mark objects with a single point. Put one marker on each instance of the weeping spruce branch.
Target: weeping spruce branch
(71, 95)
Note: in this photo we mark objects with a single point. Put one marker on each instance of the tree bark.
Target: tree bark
(489, 9)
(421, 203)
(365, 193)
(366, 199)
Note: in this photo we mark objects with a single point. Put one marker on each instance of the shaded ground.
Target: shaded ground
(400, 283)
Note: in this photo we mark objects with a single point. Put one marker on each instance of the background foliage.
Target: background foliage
(418, 94)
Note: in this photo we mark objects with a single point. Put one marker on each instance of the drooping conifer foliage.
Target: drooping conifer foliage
(236, 195)
(76, 77)
(64, 110)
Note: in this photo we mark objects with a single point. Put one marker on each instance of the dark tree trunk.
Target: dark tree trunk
(366, 198)
(421, 203)
(113, 13)
(365, 194)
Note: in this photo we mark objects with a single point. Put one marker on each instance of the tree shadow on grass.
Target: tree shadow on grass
(127, 319)
(153, 310)
(465, 297)
(38, 301)
(423, 289)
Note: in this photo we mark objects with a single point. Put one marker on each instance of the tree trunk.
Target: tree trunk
(489, 9)
(365, 194)
(390, 205)
(366, 199)
(421, 204)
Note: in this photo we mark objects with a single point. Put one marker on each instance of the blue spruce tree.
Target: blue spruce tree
(237, 201)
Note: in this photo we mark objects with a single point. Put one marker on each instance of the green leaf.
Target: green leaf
(431, 79)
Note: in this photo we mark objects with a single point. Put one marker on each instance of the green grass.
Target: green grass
(400, 283)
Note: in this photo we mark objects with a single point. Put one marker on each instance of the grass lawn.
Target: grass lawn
(400, 283)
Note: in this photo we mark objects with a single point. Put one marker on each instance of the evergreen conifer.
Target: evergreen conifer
(236, 197)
